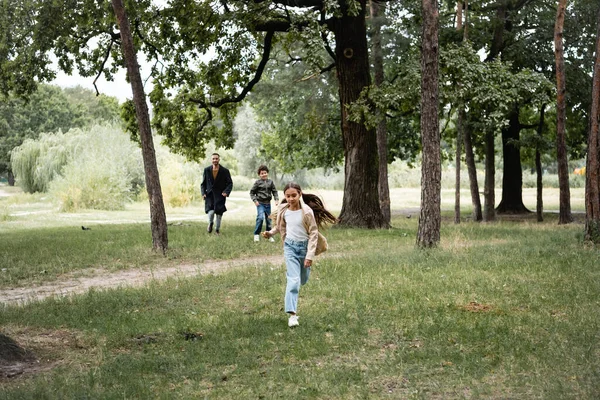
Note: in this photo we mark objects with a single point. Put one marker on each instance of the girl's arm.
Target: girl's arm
(313, 237)
(274, 217)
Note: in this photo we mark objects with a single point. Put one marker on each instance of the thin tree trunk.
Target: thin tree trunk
(158, 219)
(459, 15)
(377, 16)
(360, 206)
(466, 22)
(565, 216)
(459, 130)
(428, 234)
(489, 192)
(538, 168)
(11, 178)
(472, 169)
(592, 168)
(468, 143)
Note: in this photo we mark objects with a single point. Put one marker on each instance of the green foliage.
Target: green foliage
(248, 149)
(36, 162)
(399, 99)
(185, 128)
(180, 179)
(93, 108)
(300, 118)
(105, 173)
(49, 109)
(95, 168)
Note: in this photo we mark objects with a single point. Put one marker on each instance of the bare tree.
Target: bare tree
(158, 219)
(428, 234)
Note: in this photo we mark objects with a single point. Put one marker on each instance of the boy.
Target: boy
(261, 193)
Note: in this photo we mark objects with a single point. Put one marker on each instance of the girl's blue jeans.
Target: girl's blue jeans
(294, 253)
(263, 210)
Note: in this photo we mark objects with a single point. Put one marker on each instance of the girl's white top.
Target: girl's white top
(295, 227)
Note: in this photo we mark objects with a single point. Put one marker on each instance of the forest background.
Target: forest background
(93, 164)
(496, 71)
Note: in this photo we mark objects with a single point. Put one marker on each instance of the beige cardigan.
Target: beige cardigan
(317, 243)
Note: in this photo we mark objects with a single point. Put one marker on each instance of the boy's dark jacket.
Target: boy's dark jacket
(263, 190)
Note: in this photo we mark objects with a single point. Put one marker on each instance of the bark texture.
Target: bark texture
(428, 234)
(360, 207)
(489, 192)
(592, 169)
(158, 219)
(459, 131)
(377, 17)
(512, 173)
(472, 169)
(565, 216)
(538, 169)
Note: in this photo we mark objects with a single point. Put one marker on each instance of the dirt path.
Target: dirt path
(102, 279)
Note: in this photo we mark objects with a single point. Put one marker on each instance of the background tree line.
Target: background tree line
(496, 79)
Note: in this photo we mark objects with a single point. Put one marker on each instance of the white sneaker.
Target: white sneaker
(293, 321)
(256, 238)
(271, 239)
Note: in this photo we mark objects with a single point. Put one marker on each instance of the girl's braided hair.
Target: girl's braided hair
(322, 216)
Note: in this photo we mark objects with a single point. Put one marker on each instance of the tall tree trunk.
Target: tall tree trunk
(459, 130)
(512, 176)
(360, 206)
(565, 216)
(466, 22)
(489, 189)
(158, 219)
(377, 16)
(428, 234)
(472, 169)
(499, 26)
(538, 168)
(468, 143)
(592, 168)
(459, 15)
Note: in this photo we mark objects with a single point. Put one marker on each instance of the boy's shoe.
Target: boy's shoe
(209, 229)
(271, 239)
(217, 232)
(293, 321)
(256, 238)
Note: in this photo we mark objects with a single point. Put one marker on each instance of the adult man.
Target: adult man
(216, 186)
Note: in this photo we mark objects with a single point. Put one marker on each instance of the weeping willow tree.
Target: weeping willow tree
(96, 168)
(36, 162)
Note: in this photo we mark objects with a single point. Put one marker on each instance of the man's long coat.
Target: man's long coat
(213, 189)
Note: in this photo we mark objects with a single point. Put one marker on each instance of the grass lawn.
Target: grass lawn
(505, 310)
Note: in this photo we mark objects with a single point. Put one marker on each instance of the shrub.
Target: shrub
(180, 179)
(103, 171)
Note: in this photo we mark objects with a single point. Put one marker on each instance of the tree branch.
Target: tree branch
(106, 56)
(297, 3)
(259, 71)
(324, 38)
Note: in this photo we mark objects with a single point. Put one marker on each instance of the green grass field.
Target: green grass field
(505, 310)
